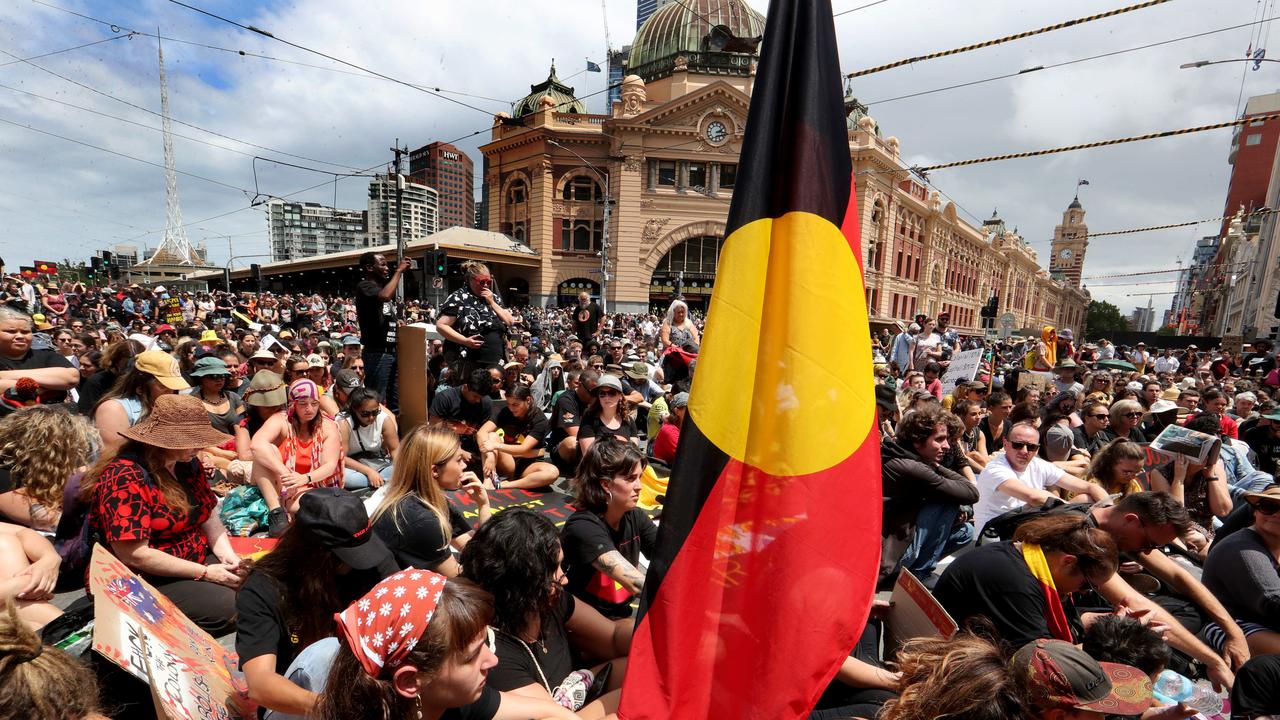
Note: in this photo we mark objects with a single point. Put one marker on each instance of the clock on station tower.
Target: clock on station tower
(1070, 240)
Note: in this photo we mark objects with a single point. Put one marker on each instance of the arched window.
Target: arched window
(582, 189)
(695, 256)
(517, 193)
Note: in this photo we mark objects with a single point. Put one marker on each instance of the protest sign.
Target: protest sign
(963, 368)
(915, 613)
(171, 310)
(554, 505)
(142, 631)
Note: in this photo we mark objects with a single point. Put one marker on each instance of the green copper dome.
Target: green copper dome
(683, 28)
(561, 96)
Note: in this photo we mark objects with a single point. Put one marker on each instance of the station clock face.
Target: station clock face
(1066, 254)
(716, 132)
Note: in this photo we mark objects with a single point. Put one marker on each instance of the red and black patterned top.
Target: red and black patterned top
(128, 505)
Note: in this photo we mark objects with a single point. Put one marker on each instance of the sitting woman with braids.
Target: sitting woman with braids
(41, 682)
(426, 655)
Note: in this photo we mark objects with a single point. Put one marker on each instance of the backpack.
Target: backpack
(1003, 526)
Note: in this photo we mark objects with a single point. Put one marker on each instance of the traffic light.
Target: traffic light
(255, 270)
(437, 260)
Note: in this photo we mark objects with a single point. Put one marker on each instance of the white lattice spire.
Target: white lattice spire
(175, 248)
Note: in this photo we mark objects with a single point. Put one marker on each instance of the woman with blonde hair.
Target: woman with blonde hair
(41, 447)
(414, 519)
(1117, 467)
(473, 321)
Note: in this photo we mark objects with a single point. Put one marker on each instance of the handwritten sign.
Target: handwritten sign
(138, 628)
(963, 368)
(171, 310)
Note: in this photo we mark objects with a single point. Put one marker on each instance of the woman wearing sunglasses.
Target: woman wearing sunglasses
(1125, 417)
(608, 416)
(473, 321)
(1242, 571)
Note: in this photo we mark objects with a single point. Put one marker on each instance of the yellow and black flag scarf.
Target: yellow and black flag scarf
(770, 539)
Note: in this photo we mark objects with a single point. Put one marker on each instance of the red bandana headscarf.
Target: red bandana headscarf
(383, 627)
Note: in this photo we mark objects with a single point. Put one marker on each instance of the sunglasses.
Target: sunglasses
(1101, 416)
(598, 366)
(1028, 446)
(608, 393)
(483, 279)
(1267, 507)
(1133, 414)
(368, 413)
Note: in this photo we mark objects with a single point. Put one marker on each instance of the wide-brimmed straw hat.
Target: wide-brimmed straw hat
(176, 422)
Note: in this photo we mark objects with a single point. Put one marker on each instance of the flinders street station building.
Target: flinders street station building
(662, 165)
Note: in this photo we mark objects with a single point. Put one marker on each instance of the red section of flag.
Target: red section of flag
(792, 565)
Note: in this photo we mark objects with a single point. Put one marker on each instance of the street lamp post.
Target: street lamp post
(604, 236)
(1202, 63)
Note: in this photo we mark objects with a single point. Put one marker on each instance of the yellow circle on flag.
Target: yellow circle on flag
(784, 376)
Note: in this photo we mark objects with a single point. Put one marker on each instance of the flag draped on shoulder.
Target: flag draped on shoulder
(769, 541)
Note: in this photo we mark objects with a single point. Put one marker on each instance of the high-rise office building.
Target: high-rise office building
(451, 172)
(645, 8)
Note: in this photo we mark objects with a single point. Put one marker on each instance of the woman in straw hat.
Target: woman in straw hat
(294, 452)
(152, 506)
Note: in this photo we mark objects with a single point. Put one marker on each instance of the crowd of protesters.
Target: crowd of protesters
(1083, 569)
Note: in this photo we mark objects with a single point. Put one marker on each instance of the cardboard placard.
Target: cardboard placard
(1232, 344)
(142, 631)
(171, 310)
(915, 613)
(963, 368)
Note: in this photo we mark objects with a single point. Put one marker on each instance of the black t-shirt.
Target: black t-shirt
(416, 539)
(1267, 445)
(484, 708)
(586, 321)
(36, 360)
(465, 418)
(1259, 364)
(515, 430)
(593, 426)
(566, 413)
(585, 537)
(994, 581)
(262, 627)
(992, 445)
(377, 318)
(518, 667)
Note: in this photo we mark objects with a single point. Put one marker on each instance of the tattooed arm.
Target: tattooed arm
(615, 566)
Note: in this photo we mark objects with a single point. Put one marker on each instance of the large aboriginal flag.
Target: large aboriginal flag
(769, 542)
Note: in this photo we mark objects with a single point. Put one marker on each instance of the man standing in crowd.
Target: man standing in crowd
(377, 315)
(1167, 363)
(586, 318)
(901, 352)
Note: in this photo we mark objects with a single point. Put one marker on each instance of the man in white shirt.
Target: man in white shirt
(1166, 363)
(1106, 351)
(1017, 477)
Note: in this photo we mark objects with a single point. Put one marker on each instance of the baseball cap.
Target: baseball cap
(607, 381)
(315, 360)
(338, 520)
(350, 340)
(1134, 386)
(1060, 676)
(163, 367)
(164, 328)
(346, 380)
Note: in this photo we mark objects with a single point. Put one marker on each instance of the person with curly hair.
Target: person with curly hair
(544, 635)
(41, 682)
(41, 447)
(965, 677)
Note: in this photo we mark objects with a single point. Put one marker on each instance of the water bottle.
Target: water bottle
(1171, 688)
(1205, 699)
